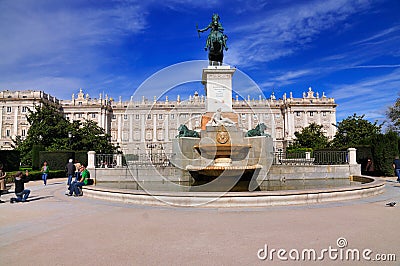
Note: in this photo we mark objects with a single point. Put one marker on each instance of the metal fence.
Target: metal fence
(331, 157)
(143, 159)
(106, 160)
(311, 158)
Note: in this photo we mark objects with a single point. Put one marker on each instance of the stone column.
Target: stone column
(352, 155)
(305, 119)
(190, 121)
(154, 127)
(98, 118)
(131, 128)
(119, 160)
(15, 121)
(143, 127)
(91, 159)
(166, 127)
(119, 132)
(1, 122)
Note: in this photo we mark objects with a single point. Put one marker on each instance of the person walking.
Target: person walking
(20, 191)
(45, 172)
(369, 168)
(396, 166)
(2, 181)
(70, 169)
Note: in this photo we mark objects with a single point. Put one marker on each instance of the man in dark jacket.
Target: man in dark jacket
(396, 166)
(20, 191)
(70, 168)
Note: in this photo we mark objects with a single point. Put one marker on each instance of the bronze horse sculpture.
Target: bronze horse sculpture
(216, 41)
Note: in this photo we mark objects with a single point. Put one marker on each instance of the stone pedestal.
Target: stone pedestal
(217, 81)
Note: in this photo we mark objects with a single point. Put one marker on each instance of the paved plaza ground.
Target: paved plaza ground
(53, 229)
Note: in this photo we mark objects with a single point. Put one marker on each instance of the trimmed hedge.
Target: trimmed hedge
(10, 159)
(56, 160)
(385, 148)
(82, 157)
(35, 156)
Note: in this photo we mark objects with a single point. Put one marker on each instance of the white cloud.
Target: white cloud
(370, 96)
(282, 32)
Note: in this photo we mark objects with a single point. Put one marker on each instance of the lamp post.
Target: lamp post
(69, 139)
(151, 146)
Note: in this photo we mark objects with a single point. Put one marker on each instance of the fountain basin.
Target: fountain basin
(238, 199)
(209, 173)
(236, 152)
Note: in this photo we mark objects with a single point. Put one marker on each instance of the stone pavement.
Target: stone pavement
(53, 229)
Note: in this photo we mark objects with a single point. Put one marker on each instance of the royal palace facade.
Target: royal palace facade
(152, 124)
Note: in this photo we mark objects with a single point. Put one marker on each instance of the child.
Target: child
(45, 171)
(20, 191)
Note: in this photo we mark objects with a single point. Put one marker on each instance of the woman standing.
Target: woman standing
(45, 171)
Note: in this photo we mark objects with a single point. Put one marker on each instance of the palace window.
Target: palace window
(137, 117)
(79, 103)
(114, 117)
(9, 109)
(298, 113)
(149, 116)
(323, 113)
(8, 133)
(160, 116)
(25, 109)
(311, 113)
(23, 133)
(125, 117)
(93, 115)
(172, 116)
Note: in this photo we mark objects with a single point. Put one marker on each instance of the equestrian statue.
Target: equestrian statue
(216, 41)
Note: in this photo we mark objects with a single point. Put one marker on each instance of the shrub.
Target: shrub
(384, 149)
(35, 156)
(10, 160)
(81, 156)
(56, 160)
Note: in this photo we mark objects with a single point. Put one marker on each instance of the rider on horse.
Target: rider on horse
(216, 34)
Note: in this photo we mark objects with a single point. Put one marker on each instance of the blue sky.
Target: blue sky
(348, 49)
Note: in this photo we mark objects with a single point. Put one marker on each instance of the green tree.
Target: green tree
(393, 114)
(88, 136)
(49, 128)
(384, 149)
(355, 131)
(311, 136)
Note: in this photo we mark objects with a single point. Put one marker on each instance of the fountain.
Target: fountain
(222, 151)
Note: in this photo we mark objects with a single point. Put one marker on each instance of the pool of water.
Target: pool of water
(275, 185)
